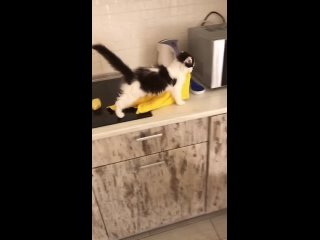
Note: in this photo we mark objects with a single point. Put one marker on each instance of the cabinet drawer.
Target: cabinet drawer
(149, 141)
(151, 191)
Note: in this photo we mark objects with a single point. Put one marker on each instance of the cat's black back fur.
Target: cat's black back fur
(154, 82)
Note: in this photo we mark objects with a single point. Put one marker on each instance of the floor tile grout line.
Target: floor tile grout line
(182, 225)
(214, 228)
(179, 224)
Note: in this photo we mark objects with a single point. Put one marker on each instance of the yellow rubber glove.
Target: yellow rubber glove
(148, 103)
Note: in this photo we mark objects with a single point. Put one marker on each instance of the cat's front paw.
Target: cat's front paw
(181, 102)
(119, 114)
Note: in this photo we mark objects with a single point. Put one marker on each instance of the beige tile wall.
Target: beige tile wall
(131, 28)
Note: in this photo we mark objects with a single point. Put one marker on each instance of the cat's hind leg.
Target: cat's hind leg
(122, 103)
(130, 94)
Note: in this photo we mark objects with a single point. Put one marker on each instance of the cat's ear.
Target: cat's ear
(188, 61)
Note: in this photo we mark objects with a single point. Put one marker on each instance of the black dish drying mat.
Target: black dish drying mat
(108, 91)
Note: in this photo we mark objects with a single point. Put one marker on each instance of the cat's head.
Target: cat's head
(187, 60)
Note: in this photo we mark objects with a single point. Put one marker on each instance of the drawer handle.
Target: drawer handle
(151, 165)
(149, 137)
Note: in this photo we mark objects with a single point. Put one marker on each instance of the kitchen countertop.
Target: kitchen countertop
(212, 102)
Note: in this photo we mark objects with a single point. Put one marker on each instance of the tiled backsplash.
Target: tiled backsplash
(132, 28)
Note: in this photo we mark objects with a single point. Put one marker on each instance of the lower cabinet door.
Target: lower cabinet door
(148, 192)
(98, 228)
(217, 169)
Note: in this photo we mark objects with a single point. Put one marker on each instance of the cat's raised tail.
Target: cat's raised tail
(115, 62)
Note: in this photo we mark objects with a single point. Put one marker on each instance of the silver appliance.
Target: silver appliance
(208, 45)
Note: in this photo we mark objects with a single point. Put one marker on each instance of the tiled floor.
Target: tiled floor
(209, 227)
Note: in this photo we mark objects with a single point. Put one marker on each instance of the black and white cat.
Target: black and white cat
(148, 81)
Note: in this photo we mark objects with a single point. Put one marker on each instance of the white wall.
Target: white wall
(131, 28)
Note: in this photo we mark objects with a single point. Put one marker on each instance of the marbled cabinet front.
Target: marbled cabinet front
(159, 176)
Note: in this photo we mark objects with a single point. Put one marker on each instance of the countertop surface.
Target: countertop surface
(212, 102)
